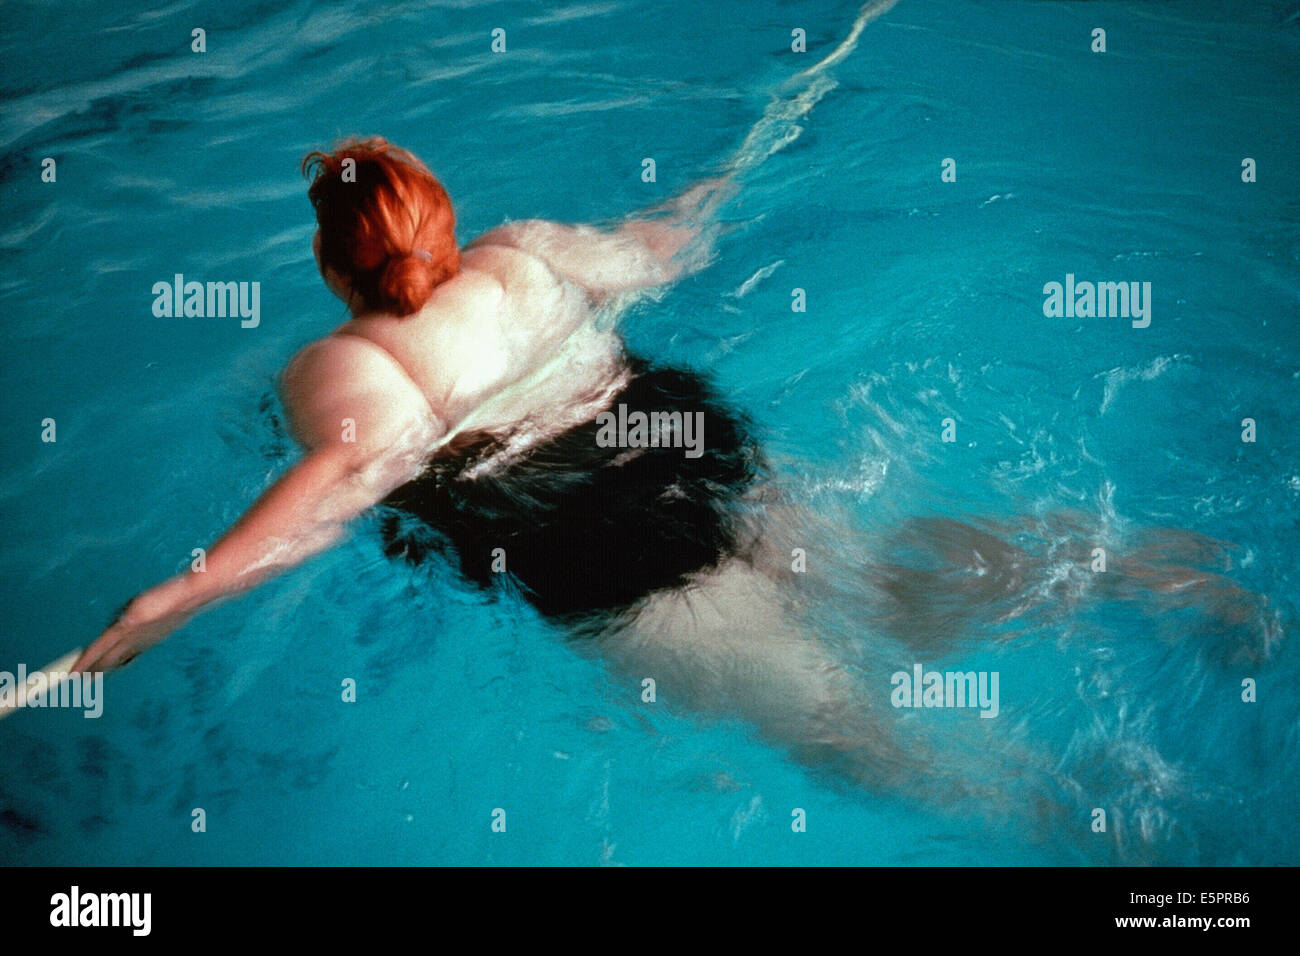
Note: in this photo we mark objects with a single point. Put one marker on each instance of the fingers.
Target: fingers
(100, 656)
(85, 664)
(80, 665)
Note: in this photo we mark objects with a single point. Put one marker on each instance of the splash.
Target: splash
(1117, 378)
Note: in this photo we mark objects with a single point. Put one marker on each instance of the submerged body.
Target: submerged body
(474, 412)
(491, 397)
(587, 523)
(499, 369)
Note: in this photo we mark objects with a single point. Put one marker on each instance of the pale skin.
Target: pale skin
(490, 347)
(510, 338)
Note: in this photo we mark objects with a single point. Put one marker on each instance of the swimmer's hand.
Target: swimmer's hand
(698, 203)
(144, 622)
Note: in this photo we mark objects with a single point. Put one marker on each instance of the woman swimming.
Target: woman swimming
(467, 391)
(470, 395)
(473, 394)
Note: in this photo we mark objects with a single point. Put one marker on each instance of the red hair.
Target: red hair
(387, 228)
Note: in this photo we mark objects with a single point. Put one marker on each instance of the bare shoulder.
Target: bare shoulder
(634, 255)
(519, 235)
(511, 253)
(344, 380)
(342, 361)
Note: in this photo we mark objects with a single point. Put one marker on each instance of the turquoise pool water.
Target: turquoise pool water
(924, 302)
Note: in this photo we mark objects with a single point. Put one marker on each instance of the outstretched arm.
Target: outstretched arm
(651, 248)
(305, 511)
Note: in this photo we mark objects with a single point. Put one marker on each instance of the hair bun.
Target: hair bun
(369, 224)
(407, 283)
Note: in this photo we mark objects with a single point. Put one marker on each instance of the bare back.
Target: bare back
(510, 346)
(507, 346)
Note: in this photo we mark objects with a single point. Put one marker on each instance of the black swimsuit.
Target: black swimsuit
(585, 529)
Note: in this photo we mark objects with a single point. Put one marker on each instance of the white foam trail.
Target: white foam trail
(779, 124)
(868, 12)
